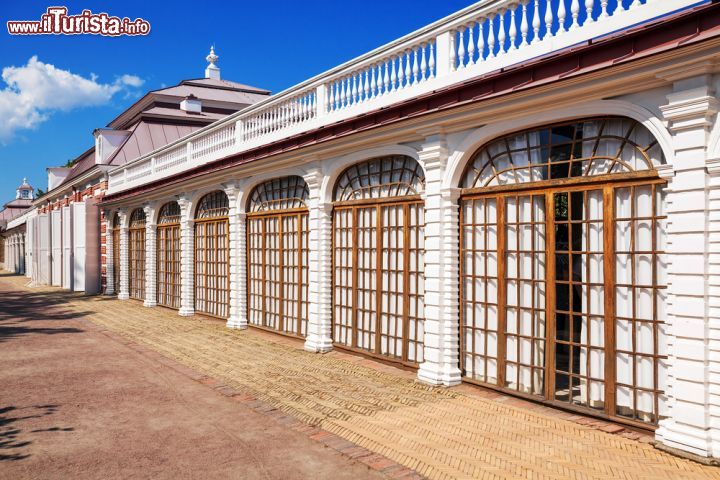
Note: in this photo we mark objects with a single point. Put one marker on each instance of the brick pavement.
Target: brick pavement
(440, 433)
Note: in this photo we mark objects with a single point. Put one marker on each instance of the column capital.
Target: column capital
(712, 165)
(691, 105)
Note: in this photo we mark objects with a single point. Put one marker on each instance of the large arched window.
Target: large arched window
(168, 255)
(562, 267)
(392, 176)
(285, 193)
(580, 149)
(136, 254)
(115, 232)
(277, 249)
(378, 259)
(212, 255)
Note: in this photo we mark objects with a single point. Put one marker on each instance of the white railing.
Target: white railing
(484, 37)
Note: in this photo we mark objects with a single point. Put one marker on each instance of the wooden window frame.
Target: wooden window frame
(168, 258)
(136, 254)
(608, 184)
(212, 213)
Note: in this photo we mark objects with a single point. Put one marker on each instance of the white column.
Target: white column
(319, 330)
(109, 255)
(21, 253)
(124, 290)
(236, 233)
(150, 257)
(187, 258)
(441, 269)
(693, 307)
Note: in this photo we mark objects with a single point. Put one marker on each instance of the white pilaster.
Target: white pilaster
(441, 269)
(236, 234)
(109, 255)
(124, 293)
(319, 330)
(150, 257)
(693, 319)
(187, 258)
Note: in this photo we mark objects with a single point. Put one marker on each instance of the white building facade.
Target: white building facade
(519, 196)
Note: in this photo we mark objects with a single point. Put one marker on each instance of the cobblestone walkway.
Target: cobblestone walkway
(440, 433)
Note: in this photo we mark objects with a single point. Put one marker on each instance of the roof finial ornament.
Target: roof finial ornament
(212, 70)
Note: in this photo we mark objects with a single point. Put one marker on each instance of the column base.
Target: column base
(236, 324)
(435, 375)
(110, 292)
(123, 296)
(684, 438)
(149, 303)
(186, 312)
(318, 344)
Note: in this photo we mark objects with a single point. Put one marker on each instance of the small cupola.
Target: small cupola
(191, 104)
(25, 191)
(212, 70)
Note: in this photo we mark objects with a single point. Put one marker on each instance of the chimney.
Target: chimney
(212, 70)
(191, 104)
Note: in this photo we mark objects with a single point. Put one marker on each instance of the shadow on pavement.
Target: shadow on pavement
(17, 307)
(12, 443)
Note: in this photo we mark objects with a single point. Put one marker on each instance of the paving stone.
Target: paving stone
(433, 432)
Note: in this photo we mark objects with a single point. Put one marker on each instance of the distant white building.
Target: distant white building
(12, 236)
(517, 196)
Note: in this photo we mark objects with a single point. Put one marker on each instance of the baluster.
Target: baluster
(335, 95)
(393, 74)
(423, 64)
(561, 17)
(366, 87)
(408, 69)
(548, 19)
(461, 48)
(354, 90)
(634, 4)
(471, 45)
(373, 82)
(481, 41)
(603, 8)
(415, 67)
(501, 33)
(431, 60)
(401, 70)
(574, 11)
(512, 29)
(536, 21)
(588, 10)
(343, 93)
(491, 37)
(453, 65)
(524, 27)
(386, 79)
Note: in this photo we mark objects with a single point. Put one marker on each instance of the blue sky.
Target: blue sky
(267, 44)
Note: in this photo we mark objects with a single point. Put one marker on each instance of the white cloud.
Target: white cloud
(34, 91)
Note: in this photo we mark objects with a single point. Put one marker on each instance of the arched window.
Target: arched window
(213, 205)
(391, 176)
(169, 213)
(116, 220)
(168, 255)
(212, 255)
(277, 249)
(562, 267)
(137, 219)
(378, 259)
(136, 254)
(279, 194)
(592, 147)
